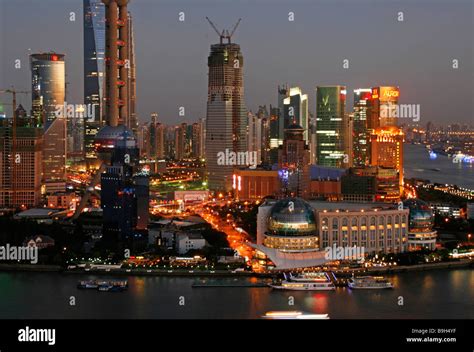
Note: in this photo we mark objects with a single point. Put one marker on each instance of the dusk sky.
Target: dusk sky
(171, 56)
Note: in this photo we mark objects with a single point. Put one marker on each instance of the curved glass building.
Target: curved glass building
(292, 226)
(420, 227)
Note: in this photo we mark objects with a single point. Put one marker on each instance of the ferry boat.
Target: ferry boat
(369, 283)
(293, 315)
(310, 276)
(305, 282)
(104, 286)
(91, 284)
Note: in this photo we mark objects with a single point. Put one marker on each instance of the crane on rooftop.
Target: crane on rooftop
(225, 33)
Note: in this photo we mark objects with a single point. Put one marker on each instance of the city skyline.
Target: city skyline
(271, 148)
(187, 47)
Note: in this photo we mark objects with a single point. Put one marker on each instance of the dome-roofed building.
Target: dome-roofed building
(109, 137)
(293, 233)
(420, 226)
(292, 226)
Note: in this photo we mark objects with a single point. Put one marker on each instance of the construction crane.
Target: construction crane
(13, 92)
(225, 33)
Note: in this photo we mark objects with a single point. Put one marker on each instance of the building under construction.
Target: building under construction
(226, 112)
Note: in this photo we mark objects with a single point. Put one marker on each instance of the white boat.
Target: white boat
(310, 277)
(304, 286)
(293, 315)
(304, 283)
(369, 283)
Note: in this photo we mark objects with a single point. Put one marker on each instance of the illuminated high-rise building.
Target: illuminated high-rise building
(254, 135)
(202, 124)
(295, 110)
(382, 107)
(386, 139)
(180, 141)
(143, 139)
(387, 149)
(293, 162)
(274, 125)
(361, 135)
(156, 133)
(124, 187)
(196, 140)
(283, 93)
(48, 98)
(94, 71)
(332, 127)
(226, 113)
(20, 163)
(264, 117)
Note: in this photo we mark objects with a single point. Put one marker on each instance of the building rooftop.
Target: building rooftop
(37, 213)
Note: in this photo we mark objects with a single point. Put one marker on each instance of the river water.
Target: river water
(417, 163)
(425, 294)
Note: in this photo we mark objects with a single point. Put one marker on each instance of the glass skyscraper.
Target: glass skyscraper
(361, 135)
(94, 69)
(48, 87)
(331, 126)
(295, 110)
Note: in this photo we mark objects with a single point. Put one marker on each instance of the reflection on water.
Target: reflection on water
(431, 294)
(417, 163)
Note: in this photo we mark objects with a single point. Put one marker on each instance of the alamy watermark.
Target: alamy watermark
(27, 253)
(76, 111)
(402, 111)
(344, 253)
(231, 158)
(37, 335)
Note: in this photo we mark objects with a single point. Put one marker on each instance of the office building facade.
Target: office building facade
(331, 127)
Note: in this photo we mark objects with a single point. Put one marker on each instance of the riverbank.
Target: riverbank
(423, 267)
(465, 263)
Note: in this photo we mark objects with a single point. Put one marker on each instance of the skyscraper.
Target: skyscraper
(94, 71)
(132, 121)
(265, 134)
(254, 135)
(180, 139)
(124, 189)
(295, 110)
(156, 138)
(48, 97)
(226, 113)
(20, 163)
(196, 140)
(386, 138)
(283, 93)
(293, 162)
(361, 134)
(331, 126)
(124, 194)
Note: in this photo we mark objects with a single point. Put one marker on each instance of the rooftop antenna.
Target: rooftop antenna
(225, 33)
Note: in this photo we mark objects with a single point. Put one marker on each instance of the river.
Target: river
(417, 163)
(425, 294)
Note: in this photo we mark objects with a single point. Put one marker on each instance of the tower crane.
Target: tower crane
(225, 33)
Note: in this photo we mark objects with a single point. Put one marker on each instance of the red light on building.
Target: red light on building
(54, 57)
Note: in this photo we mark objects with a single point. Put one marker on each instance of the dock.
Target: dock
(228, 285)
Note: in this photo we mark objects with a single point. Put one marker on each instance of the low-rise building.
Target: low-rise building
(189, 241)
